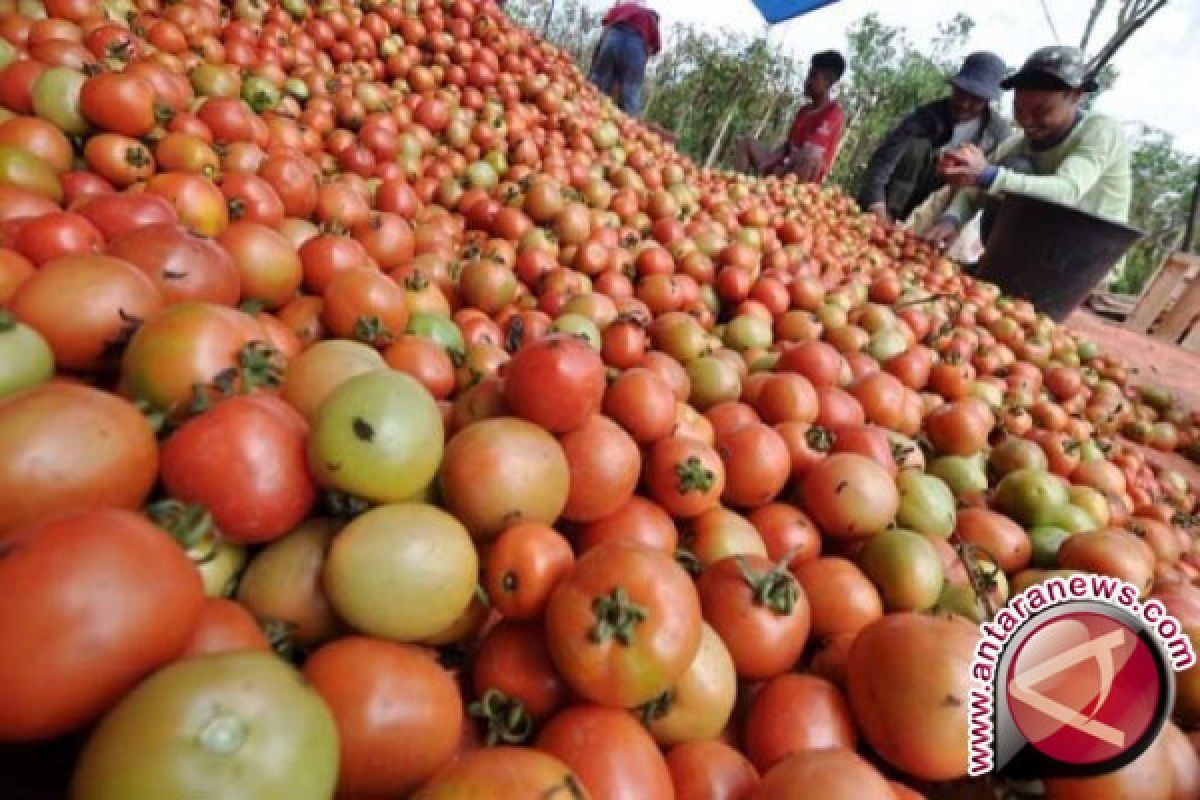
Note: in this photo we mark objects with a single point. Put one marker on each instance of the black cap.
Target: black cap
(980, 75)
(1055, 67)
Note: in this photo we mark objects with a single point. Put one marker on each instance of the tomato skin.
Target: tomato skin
(513, 659)
(556, 382)
(611, 753)
(763, 640)
(604, 463)
(500, 471)
(53, 577)
(82, 305)
(522, 568)
(398, 713)
(240, 726)
(685, 476)
(699, 706)
(793, 713)
(638, 521)
(244, 460)
(404, 572)
(66, 448)
(282, 584)
(182, 265)
(503, 773)
(190, 344)
(225, 626)
(849, 495)
(117, 214)
(118, 102)
(662, 644)
(711, 770)
(831, 774)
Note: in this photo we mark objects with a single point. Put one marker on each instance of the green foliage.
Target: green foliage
(709, 88)
(1163, 180)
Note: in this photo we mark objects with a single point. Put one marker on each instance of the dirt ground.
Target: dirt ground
(1149, 361)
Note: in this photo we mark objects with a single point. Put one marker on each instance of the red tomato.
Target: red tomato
(624, 625)
(225, 626)
(523, 567)
(398, 713)
(759, 611)
(68, 448)
(54, 576)
(711, 770)
(556, 382)
(611, 753)
(245, 460)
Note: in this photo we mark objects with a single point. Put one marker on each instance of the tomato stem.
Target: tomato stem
(694, 476)
(506, 718)
(616, 616)
(657, 708)
(775, 589)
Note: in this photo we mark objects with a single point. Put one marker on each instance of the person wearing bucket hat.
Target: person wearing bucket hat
(1063, 153)
(902, 173)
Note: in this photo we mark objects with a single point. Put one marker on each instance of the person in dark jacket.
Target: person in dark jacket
(630, 38)
(903, 172)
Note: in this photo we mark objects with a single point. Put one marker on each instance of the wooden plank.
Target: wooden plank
(1181, 316)
(1157, 295)
(1191, 342)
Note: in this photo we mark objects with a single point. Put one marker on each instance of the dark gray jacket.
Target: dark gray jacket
(918, 137)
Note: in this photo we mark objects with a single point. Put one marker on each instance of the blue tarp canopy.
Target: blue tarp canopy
(774, 11)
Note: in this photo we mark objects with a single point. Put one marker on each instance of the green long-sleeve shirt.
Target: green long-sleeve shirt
(1089, 170)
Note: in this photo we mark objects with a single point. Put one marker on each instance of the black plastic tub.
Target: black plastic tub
(1050, 254)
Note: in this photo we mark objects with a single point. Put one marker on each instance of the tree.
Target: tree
(1163, 183)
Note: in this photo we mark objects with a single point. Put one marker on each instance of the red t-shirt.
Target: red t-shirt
(821, 127)
(644, 21)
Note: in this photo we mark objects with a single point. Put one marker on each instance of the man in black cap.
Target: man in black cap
(1064, 154)
(903, 172)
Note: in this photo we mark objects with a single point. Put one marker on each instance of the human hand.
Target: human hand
(943, 233)
(964, 166)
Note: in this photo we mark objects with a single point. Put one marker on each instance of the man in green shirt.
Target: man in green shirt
(1063, 153)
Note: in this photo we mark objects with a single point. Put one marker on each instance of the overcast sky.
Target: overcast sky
(1159, 68)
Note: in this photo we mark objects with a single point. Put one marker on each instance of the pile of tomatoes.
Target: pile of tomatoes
(384, 415)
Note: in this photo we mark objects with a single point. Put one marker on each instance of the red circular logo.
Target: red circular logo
(1083, 688)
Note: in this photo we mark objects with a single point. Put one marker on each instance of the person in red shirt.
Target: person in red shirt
(812, 143)
(630, 38)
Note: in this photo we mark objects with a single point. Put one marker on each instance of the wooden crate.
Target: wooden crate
(1169, 308)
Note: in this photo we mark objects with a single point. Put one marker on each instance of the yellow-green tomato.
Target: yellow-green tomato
(238, 726)
(25, 358)
(377, 436)
(403, 572)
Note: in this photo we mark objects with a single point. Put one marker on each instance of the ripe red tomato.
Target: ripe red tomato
(398, 713)
(793, 713)
(711, 770)
(522, 568)
(604, 463)
(624, 625)
(513, 661)
(556, 382)
(685, 476)
(225, 626)
(53, 578)
(611, 753)
(759, 611)
(245, 460)
(65, 448)
(502, 773)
